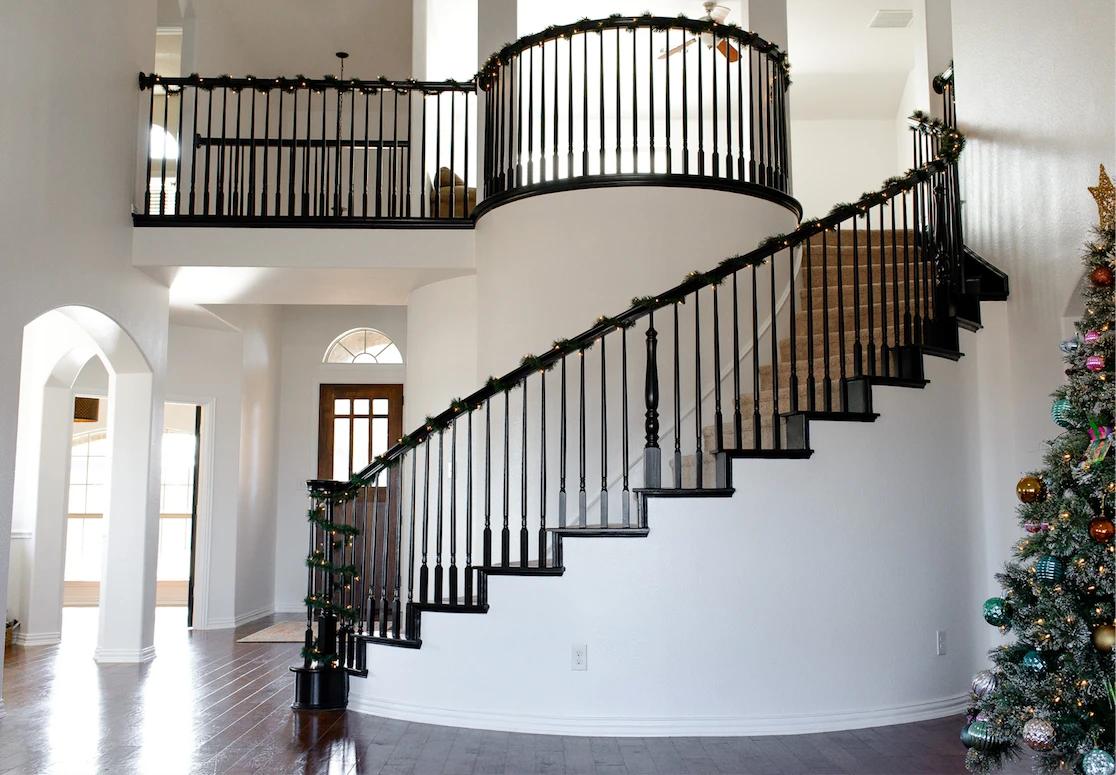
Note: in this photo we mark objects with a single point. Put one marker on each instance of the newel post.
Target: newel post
(652, 455)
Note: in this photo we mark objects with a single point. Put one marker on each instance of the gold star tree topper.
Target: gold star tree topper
(1105, 195)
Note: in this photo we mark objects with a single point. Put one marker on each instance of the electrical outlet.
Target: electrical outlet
(941, 642)
(579, 659)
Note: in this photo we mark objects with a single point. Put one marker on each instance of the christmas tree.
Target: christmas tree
(1053, 686)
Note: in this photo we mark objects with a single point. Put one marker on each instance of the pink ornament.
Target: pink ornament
(1094, 363)
(1091, 336)
(1034, 527)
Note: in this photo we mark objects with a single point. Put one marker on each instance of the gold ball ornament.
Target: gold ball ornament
(1030, 489)
(1101, 530)
(1104, 637)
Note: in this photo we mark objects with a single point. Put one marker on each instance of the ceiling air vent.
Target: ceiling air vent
(891, 19)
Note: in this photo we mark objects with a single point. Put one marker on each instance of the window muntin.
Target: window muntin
(363, 345)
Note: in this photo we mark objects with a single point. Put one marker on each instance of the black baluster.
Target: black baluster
(604, 425)
(625, 494)
(569, 111)
(741, 164)
(827, 381)
(396, 608)
(373, 571)
(858, 348)
(469, 511)
(752, 105)
(700, 127)
(776, 435)
(677, 401)
(505, 533)
(264, 198)
(562, 447)
(150, 150)
(364, 179)
(651, 97)
(697, 389)
(793, 300)
(321, 164)
(635, 104)
(601, 90)
(737, 419)
(517, 87)
(757, 438)
(718, 417)
(424, 571)
(584, 105)
(666, 99)
(907, 334)
(523, 540)
(618, 110)
(252, 157)
(411, 546)
(405, 159)
(871, 293)
(422, 162)
(208, 146)
(384, 554)
(531, 115)
(380, 150)
(222, 165)
(895, 329)
(582, 503)
(685, 112)
(811, 384)
(652, 454)
(486, 548)
(352, 153)
(163, 162)
(308, 639)
(306, 155)
(542, 457)
(465, 173)
(193, 149)
(715, 157)
(438, 570)
(453, 156)
(361, 581)
(453, 514)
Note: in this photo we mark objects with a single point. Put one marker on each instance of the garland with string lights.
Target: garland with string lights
(336, 577)
(1053, 686)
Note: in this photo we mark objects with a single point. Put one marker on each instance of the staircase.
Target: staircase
(737, 362)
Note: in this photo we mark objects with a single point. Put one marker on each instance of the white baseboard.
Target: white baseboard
(679, 726)
(290, 608)
(36, 638)
(124, 655)
(228, 622)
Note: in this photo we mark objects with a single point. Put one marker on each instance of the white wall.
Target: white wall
(65, 194)
(838, 160)
(1035, 98)
(206, 366)
(306, 332)
(814, 608)
(441, 347)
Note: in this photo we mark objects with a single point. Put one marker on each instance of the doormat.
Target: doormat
(283, 632)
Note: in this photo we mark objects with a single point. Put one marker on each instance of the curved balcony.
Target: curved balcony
(618, 100)
(641, 100)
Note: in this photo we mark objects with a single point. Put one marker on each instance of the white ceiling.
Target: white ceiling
(536, 15)
(841, 68)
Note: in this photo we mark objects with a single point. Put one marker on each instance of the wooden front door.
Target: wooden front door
(355, 424)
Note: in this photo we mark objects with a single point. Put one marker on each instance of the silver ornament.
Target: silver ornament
(1098, 762)
(984, 683)
(1070, 345)
(1038, 734)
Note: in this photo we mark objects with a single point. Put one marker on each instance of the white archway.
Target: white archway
(56, 346)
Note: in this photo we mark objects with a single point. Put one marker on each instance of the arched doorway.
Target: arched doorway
(56, 346)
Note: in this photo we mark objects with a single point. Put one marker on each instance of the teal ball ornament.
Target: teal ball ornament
(1060, 413)
(981, 737)
(1034, 662)
(1049, 569)
(1098, 762)
(996, 611)
(966, 740)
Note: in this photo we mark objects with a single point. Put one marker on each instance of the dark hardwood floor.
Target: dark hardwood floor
(207, 704)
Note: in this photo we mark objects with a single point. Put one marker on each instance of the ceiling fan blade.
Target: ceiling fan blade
(718, 13)
(728, 50)
(677, 48)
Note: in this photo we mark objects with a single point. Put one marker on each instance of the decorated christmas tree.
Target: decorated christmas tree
(1052, 687)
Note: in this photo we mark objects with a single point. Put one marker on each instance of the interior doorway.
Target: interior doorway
(178, 507)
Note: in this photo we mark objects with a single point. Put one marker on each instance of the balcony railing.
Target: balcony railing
(689, 102)
(309, 150)
(639, 95)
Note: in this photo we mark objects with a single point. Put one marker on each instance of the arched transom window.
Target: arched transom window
(363, 345)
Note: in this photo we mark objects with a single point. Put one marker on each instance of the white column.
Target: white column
(127, 620)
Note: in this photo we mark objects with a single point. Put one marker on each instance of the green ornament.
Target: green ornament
(981, 737)
(1034, 662)
(966, 740)
(1049, 569)
(996, 611)
(1098, 762)
(1060, 412)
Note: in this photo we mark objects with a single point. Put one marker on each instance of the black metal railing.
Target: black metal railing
(326, 149)
(732, 362)
(639, 95)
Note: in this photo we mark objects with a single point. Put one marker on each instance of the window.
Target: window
(363, 345)
(355, 424)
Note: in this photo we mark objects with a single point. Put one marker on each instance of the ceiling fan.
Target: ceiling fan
(716, 14)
